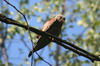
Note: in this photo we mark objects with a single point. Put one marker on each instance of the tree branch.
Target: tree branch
(3, 36)
(57, 40)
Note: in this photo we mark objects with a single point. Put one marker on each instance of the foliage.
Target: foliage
(82, 26)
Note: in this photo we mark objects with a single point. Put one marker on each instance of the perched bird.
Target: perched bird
(52, 26)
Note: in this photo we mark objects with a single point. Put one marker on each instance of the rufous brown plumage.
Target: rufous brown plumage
(52, 26)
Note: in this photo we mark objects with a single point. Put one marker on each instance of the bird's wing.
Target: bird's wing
(47, 25)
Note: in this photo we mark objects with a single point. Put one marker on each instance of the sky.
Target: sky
(18, 47)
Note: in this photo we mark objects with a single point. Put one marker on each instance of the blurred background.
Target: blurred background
(82, 28)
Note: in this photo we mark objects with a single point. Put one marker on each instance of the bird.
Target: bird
(53, 27)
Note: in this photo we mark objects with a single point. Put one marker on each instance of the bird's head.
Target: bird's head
(60, 18)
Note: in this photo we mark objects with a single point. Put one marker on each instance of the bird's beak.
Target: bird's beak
(62, 19)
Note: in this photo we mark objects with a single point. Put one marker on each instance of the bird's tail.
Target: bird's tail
(30, 53)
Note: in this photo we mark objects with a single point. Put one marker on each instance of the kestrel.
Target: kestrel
(52, 26)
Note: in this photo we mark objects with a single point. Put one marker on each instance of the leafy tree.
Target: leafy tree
(81, 28)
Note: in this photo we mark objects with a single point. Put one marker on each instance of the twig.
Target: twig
(4, 35)
(25, 44)
(27, 28)
(5, 57)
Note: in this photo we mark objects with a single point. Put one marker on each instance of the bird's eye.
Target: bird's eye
(60, 17)
(64, 18)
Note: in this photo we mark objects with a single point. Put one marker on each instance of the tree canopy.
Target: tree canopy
(82, 28)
